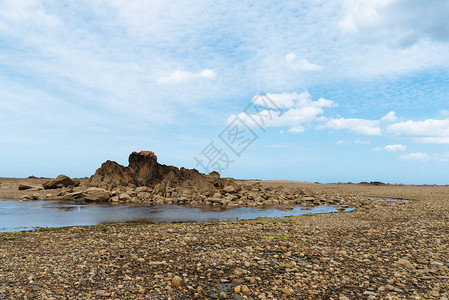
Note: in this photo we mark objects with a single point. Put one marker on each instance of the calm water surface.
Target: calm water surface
(20, 216)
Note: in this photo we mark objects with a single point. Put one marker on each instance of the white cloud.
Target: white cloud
(423, 156)
(427, 131)
(444, 112)
(301, 64)
(420, 156)
(396, 22)
(390, 117)
(360, 126)
(392, 148)
(288, 100)
(396, 147)
(356, 141)
(26, 12)
(361, 142)
(183, 76)
(432, 140)
(296, 129)
(301, 110)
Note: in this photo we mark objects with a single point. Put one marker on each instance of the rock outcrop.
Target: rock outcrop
(144, 170)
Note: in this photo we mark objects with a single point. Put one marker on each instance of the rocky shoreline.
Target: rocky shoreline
(394, 251)
(147, 182)
(239, 194)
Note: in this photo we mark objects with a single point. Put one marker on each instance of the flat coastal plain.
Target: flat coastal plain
(397, 250)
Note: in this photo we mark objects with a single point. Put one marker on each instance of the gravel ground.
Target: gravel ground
(388, 251)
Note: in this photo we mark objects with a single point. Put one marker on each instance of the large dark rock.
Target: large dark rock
(144, 170)
(59, 182)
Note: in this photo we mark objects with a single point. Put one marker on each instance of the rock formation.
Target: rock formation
(144, 180)
(144, 170)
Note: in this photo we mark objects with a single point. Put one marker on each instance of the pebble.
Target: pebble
(176, 281)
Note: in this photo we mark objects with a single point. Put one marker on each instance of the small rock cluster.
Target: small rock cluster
(231, 195)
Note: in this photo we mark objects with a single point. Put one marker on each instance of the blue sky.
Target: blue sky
(363, 86)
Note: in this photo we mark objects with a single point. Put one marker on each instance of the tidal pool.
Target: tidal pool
(29, 215)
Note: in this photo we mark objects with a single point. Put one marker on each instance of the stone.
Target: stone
(95, 194)
(141, 189)
(287, 291)
(59, 182)
(404, 263)
(124, 197)
(176, 281)
(229, 189)
(237, 297)
(25, 186)
(245, 290)
(237, 281)
(72, 196)
(369, 293)
(239, 272)
(143, 195)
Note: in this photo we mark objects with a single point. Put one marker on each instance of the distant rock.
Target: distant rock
(59, 182)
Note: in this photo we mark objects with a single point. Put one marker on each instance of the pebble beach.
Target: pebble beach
(387, 251)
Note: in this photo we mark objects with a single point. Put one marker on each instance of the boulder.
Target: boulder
(229, 189)
(59, 182)
(72, 196)
(95, 194)
(144, 196)
(124, 197)
(141, 189)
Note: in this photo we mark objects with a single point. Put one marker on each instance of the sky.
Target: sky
(326, 91)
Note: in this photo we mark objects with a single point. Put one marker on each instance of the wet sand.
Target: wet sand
(386, 251)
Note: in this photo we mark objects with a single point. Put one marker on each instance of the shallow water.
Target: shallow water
(20, 216)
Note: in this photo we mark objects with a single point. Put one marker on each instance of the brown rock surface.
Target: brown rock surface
(144, 170)
(59, 182)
